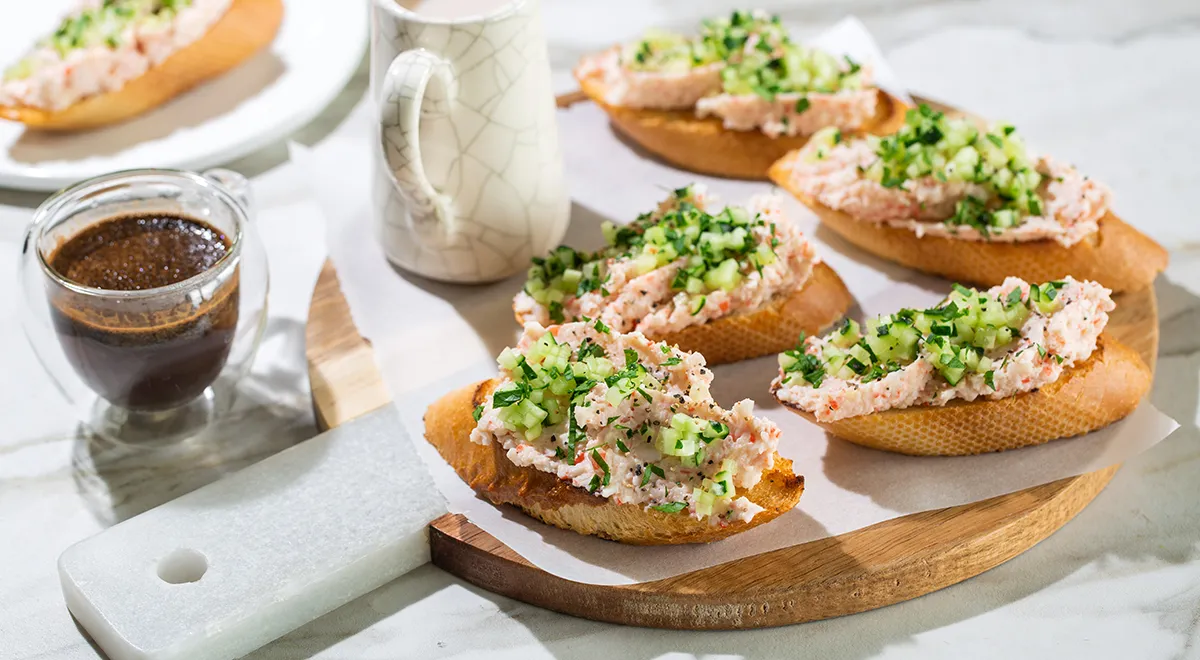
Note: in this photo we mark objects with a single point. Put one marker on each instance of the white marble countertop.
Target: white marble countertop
(1110, 85)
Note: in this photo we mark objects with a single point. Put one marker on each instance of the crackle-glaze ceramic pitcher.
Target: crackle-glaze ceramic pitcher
(468, 181)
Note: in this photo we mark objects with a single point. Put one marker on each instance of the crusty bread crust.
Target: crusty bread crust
(448, 426)
(772, 328)
(246, 28)
(706, 146)
(1089, 396)
(1118, 256)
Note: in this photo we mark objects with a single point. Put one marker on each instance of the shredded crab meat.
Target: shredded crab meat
(1066, 337)
(667, 90)
(684, 388)
(1073, 203)
(847, 110)
(646, 303)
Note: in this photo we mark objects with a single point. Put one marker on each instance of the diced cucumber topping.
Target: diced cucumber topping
(954, 337)
(21, 70)
(103, 25)
(808, 366)
(686, 436)
(720, 487)
(1045, 297)
(761, 58)
(955, 149)
(548, 384)
(757, 54)
(712, 252)
(664, 51)
(704, 500)
(846, 335)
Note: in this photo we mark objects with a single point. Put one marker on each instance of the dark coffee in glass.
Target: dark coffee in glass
(138, 353)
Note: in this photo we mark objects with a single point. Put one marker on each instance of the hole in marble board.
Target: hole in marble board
(182, 565)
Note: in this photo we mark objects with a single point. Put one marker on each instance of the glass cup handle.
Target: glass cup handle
(236, 184)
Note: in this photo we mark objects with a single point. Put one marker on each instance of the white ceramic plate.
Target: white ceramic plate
(279, 90)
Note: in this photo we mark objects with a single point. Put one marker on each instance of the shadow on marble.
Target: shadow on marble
(212, 100)
(87, 637)
(118, 481)
(364, 612)
(1178, 320)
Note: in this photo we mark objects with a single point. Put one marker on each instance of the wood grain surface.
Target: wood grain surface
(883, 564)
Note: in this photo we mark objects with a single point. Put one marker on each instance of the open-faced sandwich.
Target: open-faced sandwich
(110, 60)
(1010, 366)
(735, 98)
(616, 436)
(971, 204)
(729, 282)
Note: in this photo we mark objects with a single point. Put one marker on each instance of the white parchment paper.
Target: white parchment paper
(430, 338)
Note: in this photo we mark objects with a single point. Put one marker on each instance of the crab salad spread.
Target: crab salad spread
(996, 343)
(627, 419)
(943, 176)
(687, 262)
(744, 70)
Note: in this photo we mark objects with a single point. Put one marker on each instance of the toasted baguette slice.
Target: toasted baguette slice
(448, 426)
(1089, 396)
(772, 328)
(246, 28)
(1118, 256)
(706, 146)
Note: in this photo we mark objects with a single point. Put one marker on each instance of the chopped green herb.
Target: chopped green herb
(603, 465)
(671, 507)
(511, 396)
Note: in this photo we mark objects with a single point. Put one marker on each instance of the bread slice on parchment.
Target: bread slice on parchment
(1103, 389)
(486, 468)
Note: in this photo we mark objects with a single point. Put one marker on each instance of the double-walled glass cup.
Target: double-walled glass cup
(148, 364)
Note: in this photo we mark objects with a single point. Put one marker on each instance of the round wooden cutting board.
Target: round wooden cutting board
(883, 564)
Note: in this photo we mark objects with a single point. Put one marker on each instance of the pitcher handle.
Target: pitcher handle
(400, 105)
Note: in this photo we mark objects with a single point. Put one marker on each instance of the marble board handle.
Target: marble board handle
(223, 570)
